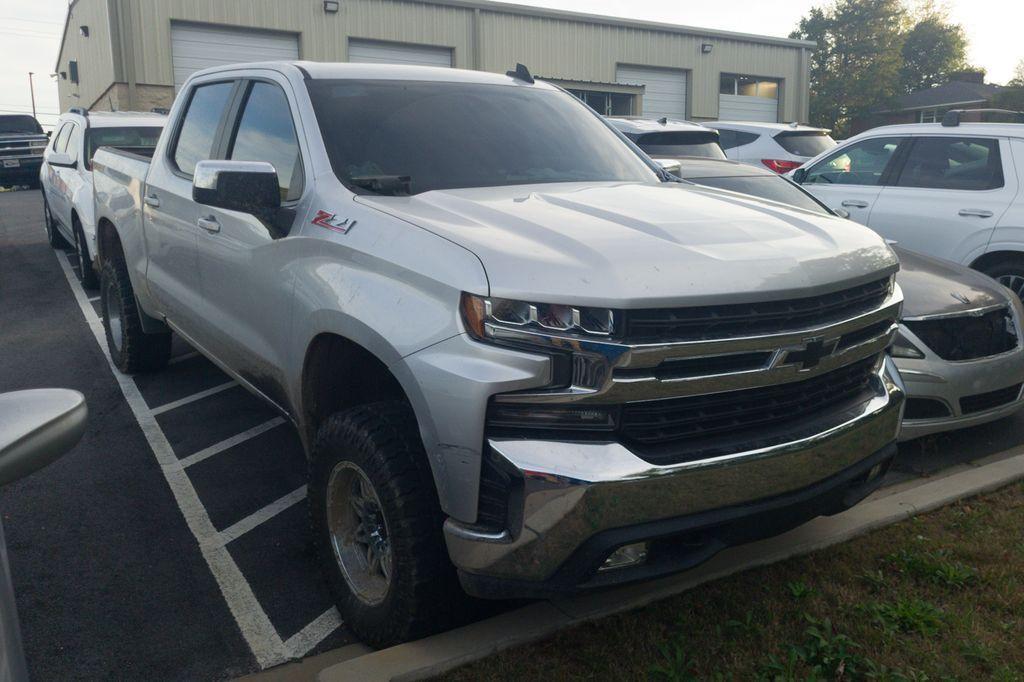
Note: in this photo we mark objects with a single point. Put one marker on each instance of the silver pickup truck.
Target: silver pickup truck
(522, 360)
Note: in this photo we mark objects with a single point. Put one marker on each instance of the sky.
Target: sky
(30, 34)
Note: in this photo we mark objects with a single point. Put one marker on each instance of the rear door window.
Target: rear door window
(199, 125)
(862, 163)
(965, 163)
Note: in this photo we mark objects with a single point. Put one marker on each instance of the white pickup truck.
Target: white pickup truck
(521, 358)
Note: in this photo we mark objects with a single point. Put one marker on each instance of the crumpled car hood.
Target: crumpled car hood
(636, 245)
(935, 287)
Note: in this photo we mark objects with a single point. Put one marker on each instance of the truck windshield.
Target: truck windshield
(458, 135)
(680, 143)
(25, 125)
(132, 139)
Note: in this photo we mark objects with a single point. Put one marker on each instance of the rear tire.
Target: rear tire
(53, 235)
(373, 504)
(86, 272)
(132, 350)
(1009, 272)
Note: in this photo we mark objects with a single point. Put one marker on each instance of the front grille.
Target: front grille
(989, 401)
(967, 337)
(681, 429)
(661, 325)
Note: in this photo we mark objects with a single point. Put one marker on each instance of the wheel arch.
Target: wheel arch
(992, 257)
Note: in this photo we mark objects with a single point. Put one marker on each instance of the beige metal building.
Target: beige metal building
(135, 54)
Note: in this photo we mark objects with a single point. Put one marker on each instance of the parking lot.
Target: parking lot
(172, 542)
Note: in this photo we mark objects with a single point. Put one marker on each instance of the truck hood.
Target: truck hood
(634, 245)
(937, 287)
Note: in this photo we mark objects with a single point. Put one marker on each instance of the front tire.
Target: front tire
(86, 273)
(377, 523)
(132, 350)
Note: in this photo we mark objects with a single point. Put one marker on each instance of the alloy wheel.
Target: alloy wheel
(115, 315)
(1014, 283)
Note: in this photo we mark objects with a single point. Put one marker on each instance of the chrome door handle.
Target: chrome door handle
(855, 203)
(209, 223)
(974, 213)
(152, 200)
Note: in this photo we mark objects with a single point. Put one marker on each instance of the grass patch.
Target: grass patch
(937, 597)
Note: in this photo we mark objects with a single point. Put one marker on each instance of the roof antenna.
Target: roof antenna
(521, 73)
(663, 120)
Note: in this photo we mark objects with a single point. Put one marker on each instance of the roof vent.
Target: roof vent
(521, 73)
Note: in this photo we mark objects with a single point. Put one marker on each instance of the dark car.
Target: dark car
(22, 142)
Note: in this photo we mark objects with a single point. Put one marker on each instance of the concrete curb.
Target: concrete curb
(434, 655)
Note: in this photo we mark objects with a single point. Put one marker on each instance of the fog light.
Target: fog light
(625, 556)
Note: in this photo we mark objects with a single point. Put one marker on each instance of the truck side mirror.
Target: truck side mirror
(799, 175)
(246, 186)
(36, 427)
(61, 159)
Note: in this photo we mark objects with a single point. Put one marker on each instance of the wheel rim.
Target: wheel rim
(47, 219)
(115, 316)
(359, 533)
(1014, 283)
(78, 252)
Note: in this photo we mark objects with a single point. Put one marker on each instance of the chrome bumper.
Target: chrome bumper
(571, 491)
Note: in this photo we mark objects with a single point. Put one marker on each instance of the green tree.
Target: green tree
(931, 51)
(856, 65)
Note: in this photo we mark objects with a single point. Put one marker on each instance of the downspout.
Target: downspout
(476, 38)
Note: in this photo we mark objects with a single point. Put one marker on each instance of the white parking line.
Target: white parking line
(260, 634)
(242, 527)
(93, 299)
(231, 442)
(300, 644)
(167, 407)
(183, 357)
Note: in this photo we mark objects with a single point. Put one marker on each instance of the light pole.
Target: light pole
(32, 91)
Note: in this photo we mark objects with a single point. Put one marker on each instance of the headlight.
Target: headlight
(481, 314)
(902, 348)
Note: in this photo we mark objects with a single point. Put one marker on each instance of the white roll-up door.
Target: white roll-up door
(664, 89)
(746, 108)
(195, 47)
(364, 51)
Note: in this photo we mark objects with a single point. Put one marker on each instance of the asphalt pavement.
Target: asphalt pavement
(181, 551)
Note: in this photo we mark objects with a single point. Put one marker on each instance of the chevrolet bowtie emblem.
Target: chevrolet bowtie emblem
(811, 354)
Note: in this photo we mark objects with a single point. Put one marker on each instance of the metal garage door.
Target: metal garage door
(664, 89)
(393, 53)
(196, 47)
(746, 108)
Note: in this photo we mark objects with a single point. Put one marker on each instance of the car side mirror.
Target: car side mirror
(36, 427)
(799, 175)
(841, 212)
(61, 159)
(246, 186)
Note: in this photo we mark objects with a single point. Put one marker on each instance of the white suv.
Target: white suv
(952, 190)
(780, 147)
(66, 174)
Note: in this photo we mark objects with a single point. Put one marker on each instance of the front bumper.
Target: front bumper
(26, 171)
(573, 503)
(932, 378)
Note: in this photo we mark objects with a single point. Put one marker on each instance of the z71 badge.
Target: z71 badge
(332, 222)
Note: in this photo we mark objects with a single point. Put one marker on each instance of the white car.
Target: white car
(780, 147)
(66, 174)
(952, 190)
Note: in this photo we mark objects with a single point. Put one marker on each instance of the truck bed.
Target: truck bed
(119, 183)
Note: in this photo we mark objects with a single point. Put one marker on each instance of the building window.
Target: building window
(73, 70)
(748, 86)
(928, 116)
(607, 103)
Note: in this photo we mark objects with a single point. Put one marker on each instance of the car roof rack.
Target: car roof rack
(81, 111)
(951, 118)
(521, 73)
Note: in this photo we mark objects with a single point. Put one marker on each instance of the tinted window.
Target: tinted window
(805, 143)
(775, 188)
(266, 133)
(130, 139)
(730, 139)
(19, 124)
(449, 135)
(60, 141)
(858, 164)
(674, 144)
(953, 163)
(195, 139)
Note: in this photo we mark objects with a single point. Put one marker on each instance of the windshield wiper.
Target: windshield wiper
(389, 185)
